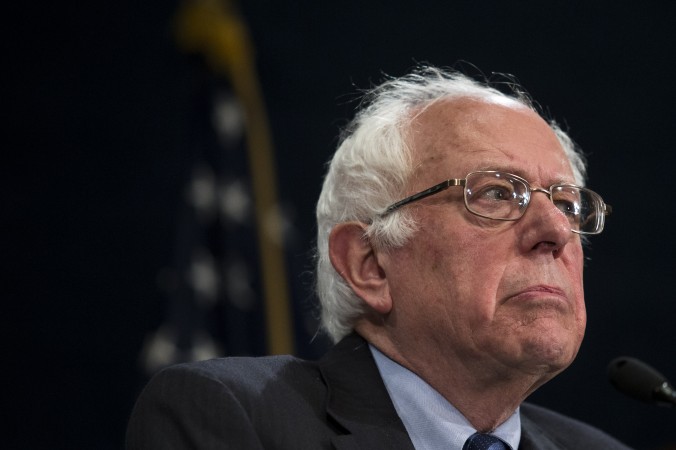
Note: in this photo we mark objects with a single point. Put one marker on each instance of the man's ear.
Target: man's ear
(354, 258)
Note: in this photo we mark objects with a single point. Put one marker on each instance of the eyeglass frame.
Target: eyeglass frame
(606, 209)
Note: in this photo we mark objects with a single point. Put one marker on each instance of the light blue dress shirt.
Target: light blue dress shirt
(430, 420)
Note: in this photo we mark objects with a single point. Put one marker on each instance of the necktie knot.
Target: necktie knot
(481, 441)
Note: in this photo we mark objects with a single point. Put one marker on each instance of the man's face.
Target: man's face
(489, 295)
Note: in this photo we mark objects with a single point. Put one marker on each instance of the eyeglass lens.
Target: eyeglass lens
(498, 195)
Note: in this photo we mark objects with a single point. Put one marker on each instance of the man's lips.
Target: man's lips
(539, 292)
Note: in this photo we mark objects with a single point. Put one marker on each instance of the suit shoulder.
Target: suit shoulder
(240, 365)
(245, 402)
(244, 373)
(565, 431)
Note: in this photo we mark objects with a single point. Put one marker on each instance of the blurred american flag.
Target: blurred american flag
(227, 288)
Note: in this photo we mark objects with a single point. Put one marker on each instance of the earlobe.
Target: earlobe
(355, 259)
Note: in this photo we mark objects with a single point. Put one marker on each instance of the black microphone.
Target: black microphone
(640, 381)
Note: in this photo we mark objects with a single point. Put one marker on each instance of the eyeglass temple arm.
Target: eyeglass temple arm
(426, 193)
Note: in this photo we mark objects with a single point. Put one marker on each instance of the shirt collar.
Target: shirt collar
(430, 420)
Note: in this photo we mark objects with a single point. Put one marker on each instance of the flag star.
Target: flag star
(203, 277)
(160, 349)
(227, 118)
(235, 201)
(202, 189)
(203, 347)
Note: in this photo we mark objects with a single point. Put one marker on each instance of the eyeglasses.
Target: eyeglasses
(504, 196)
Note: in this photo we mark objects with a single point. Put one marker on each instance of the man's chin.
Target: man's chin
(546, 355)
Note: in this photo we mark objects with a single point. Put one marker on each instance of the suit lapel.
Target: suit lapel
(533, 437)
(358, 400)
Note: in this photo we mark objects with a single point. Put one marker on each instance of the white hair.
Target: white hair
(372, 166)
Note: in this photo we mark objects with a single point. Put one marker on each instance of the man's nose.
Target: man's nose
(544, 225)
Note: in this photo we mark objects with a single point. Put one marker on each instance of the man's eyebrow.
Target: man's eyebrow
(501, 167)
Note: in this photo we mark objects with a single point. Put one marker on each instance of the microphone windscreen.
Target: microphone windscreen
(635, 378)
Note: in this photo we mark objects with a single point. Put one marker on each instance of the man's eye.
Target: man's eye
(570, 209)
(497, 193)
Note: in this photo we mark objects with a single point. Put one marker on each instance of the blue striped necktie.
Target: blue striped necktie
(479, 441)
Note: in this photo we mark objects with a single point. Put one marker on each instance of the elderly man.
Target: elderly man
(450, 232)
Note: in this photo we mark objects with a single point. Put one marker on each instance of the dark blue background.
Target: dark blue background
(96, 108)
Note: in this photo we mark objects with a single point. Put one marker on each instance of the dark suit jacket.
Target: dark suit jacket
(281, 402)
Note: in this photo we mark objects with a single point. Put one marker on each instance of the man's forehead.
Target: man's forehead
(461, 118)
(470, 134)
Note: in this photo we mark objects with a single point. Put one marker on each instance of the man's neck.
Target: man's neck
(486, 396)
(432, 421)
